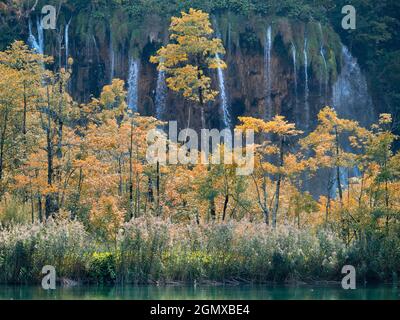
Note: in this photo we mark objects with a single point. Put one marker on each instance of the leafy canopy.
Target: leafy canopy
(192, 51)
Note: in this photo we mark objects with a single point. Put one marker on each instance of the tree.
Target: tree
(379, 151)
(330, 144)
(22, 72)
(189, 57)
(9, 87)
(287, 163)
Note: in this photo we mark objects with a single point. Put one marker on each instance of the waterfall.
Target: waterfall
(161, 95)
(36, 44)
(350, 95)
(112, 58)
(96, 48)
(325, 72)
(40, 35)
(268, 72)
(351, 100)
(133, 84)
(294, 71)
(306, 88)
(226, 118)
(294, 61)
(32, 40)
(224, 100)
(326, 75)
(67, 43)
(229, 40)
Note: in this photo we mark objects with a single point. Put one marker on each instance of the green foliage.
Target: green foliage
(153, 250)
(102, 267)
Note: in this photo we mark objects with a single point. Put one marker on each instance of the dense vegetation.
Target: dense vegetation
(77, 192)
(151, 250)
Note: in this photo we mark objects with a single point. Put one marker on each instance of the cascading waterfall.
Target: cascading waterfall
(133, 83)
(226, 118)
(40, 35)
(36, 44)
(325, 72)
(268, 72)
(306, 88)
(112, 58)
(350, 95)
(294, 61)
(32, 40)
(294, 53)
(351, 100)
(96, 48)
(66, 31)
(224, 100)
(326, 75)
(229, 40)
(161, 95)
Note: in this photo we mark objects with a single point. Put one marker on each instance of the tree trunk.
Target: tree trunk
(298, 220)
(278, 185)
(32, 207)
(79, 190)
(137, 186)
(24, 114)
(225, 206)
(328, 196)
(2, 144)
(131, 205)
(150, 194)
(158, 189)
(50, 203)
(40, 208)
(265, 204)
(120, 175)
(338, 168)
(60, 122)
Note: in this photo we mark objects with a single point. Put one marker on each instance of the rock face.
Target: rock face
(274, 66)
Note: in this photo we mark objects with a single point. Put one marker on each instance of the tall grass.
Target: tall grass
(151, 250)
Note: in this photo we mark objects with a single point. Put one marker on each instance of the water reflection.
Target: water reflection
(245, 292)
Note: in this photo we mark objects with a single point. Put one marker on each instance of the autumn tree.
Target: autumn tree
(56, 113)
(331, 147)
(189, 56)
(22, 72)
(379, 152)
(285, 163)
(9, 87)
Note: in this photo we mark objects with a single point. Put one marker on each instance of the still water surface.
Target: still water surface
(250, 292)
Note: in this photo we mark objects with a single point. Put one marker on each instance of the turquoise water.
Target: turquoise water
(250, 292)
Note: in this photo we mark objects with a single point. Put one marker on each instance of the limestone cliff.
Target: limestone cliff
(275, 65)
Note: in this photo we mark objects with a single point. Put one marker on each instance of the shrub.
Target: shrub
(102, 267)
(25, 249)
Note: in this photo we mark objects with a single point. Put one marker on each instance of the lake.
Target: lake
(245, 292)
